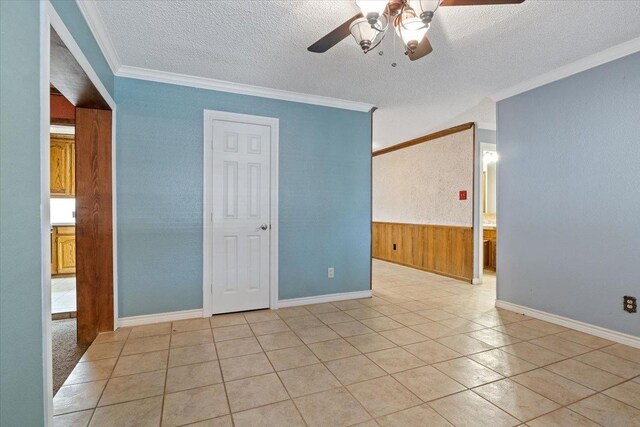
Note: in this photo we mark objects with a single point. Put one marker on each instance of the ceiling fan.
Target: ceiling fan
(410, 18)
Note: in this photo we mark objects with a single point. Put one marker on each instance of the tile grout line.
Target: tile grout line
(108, 379)
(281, 382)
(166, 376)
(224, 383)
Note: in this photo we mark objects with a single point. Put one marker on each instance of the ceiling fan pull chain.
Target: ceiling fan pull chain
(394, 48)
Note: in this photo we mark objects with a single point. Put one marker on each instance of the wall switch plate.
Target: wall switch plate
(330, 272)
(630, 304)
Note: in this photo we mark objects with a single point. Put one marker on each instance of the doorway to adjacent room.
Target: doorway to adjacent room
(77, 204)
(488, 203)
(62, 183)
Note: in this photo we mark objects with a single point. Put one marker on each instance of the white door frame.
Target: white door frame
(50, 18)
(479, 230)
(207, 235)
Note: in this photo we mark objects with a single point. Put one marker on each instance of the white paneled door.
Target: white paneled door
(240, 215)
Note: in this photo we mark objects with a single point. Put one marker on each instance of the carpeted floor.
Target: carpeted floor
(66, 351)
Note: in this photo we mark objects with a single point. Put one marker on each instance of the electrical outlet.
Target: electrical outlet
(630, 304)
(330, 272)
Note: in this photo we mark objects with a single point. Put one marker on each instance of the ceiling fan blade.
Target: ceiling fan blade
(478, 2)
(334, 37)
(424, 48)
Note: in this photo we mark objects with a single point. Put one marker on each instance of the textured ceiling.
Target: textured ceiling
(477, 51)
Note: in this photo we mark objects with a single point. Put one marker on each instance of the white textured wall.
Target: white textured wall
(420, 184)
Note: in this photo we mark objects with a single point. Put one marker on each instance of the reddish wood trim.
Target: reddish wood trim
(62, 122)
(61, 110)
(425, 138)
(94, 223)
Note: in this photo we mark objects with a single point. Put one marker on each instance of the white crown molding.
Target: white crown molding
(587, 328)
(96, 25)
(319, 299)
(94, 21)
(147, 319)
(238, 88)
(602, 57)
(92, 16)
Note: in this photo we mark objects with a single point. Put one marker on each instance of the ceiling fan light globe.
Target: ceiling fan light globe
(372, 6)
(363, 33)
(372, 9)
(422, 6)
(412, 31)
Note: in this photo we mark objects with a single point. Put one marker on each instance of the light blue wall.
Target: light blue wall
(77, 26)
(325, 194)
(568, 187)
(21, 374)
(21, 345)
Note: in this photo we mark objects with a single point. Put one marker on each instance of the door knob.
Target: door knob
(264, 226)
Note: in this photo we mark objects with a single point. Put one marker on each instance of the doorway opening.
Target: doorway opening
(62, 182)
(489, 212)
(77, 205)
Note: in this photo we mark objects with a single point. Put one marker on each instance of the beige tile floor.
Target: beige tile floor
(425, 350)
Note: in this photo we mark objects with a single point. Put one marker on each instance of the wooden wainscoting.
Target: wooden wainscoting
(441, 249)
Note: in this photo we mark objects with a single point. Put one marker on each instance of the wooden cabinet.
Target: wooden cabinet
(489, 238)
(63, 250)
(62, 165)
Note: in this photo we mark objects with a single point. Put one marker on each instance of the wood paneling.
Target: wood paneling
(445, 250)
(94, 226)
(62, 166)
(425, 138)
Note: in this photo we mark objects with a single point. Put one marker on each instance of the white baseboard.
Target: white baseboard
(323, 298)
(146, 319)
(587, 328)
